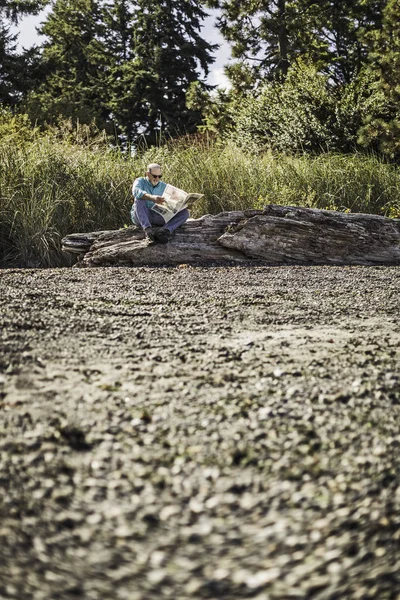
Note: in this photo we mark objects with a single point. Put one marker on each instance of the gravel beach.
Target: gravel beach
(200, 433)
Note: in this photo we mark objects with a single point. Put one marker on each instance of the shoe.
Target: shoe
(163, 235)
(151, 233)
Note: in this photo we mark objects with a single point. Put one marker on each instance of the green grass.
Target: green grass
(50, 187)
(232, 179)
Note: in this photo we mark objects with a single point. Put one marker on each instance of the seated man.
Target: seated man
(147, 191)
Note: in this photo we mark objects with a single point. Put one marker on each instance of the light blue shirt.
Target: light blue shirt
(142, 185)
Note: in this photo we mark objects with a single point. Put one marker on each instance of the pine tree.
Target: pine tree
(120, 75)
(268, 36)
(164, 55)
(381, 129)
(9, 64)
(14, 9)
(73, 66)
(15, 66)
(123, 65)
(258, 32)
(344, 25)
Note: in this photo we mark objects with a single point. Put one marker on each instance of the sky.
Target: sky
(28, 37)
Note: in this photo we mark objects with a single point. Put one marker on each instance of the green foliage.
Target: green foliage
(294, 115)
(49, 187)
(269, 36)
(9, 63)
(307, 113)
(168, 52)
(15, 127)
(73, 67)
(215, 108)
(301, 81)
(14, 9)
(356, 101)
(122, 66)
(342, 27)
(17, 68)
(381, 127)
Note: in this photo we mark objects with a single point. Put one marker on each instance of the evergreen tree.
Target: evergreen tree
(260, 32)
(16, 66)
(165, 54)
(14, 9)
(123, 65)
(343, 26)
(73, 66)
(120, 52)
(9, 64)
(381, 128)
(270, 35)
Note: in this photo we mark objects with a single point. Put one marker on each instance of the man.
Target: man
(147, 191)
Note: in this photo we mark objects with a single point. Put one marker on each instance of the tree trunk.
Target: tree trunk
(275, 235)
(283, 39)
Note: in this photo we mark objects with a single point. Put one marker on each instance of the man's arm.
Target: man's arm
(153, 198)
(139, 192)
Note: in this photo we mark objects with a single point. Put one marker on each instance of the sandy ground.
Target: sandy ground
(190, 433)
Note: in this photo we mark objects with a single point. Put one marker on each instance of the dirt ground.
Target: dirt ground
(200, 433)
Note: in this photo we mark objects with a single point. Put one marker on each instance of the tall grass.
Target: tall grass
(232, 179)
(50, 187)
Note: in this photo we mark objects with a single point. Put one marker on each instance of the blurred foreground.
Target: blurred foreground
(200, 433)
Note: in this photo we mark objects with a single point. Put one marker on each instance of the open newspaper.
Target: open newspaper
(175, 200)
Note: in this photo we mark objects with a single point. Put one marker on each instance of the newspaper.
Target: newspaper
(175, 200)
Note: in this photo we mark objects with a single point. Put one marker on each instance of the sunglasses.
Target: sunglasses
(156, 176)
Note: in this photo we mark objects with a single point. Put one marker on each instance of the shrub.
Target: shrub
(293, 116)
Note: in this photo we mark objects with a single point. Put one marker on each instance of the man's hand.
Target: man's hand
(158, 199)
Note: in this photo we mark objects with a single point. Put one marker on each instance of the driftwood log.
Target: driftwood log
(275, 235)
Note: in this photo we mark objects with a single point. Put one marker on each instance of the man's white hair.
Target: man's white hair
(152, 166)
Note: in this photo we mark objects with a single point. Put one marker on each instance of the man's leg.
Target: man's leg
(147, 219)
(145, 216)
(177, 220)
(156, 219)
(164, 233)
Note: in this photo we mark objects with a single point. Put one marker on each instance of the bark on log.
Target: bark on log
(275, 235)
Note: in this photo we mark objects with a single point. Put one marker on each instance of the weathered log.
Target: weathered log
(80, 243)
(275, 235)
(296, 235)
